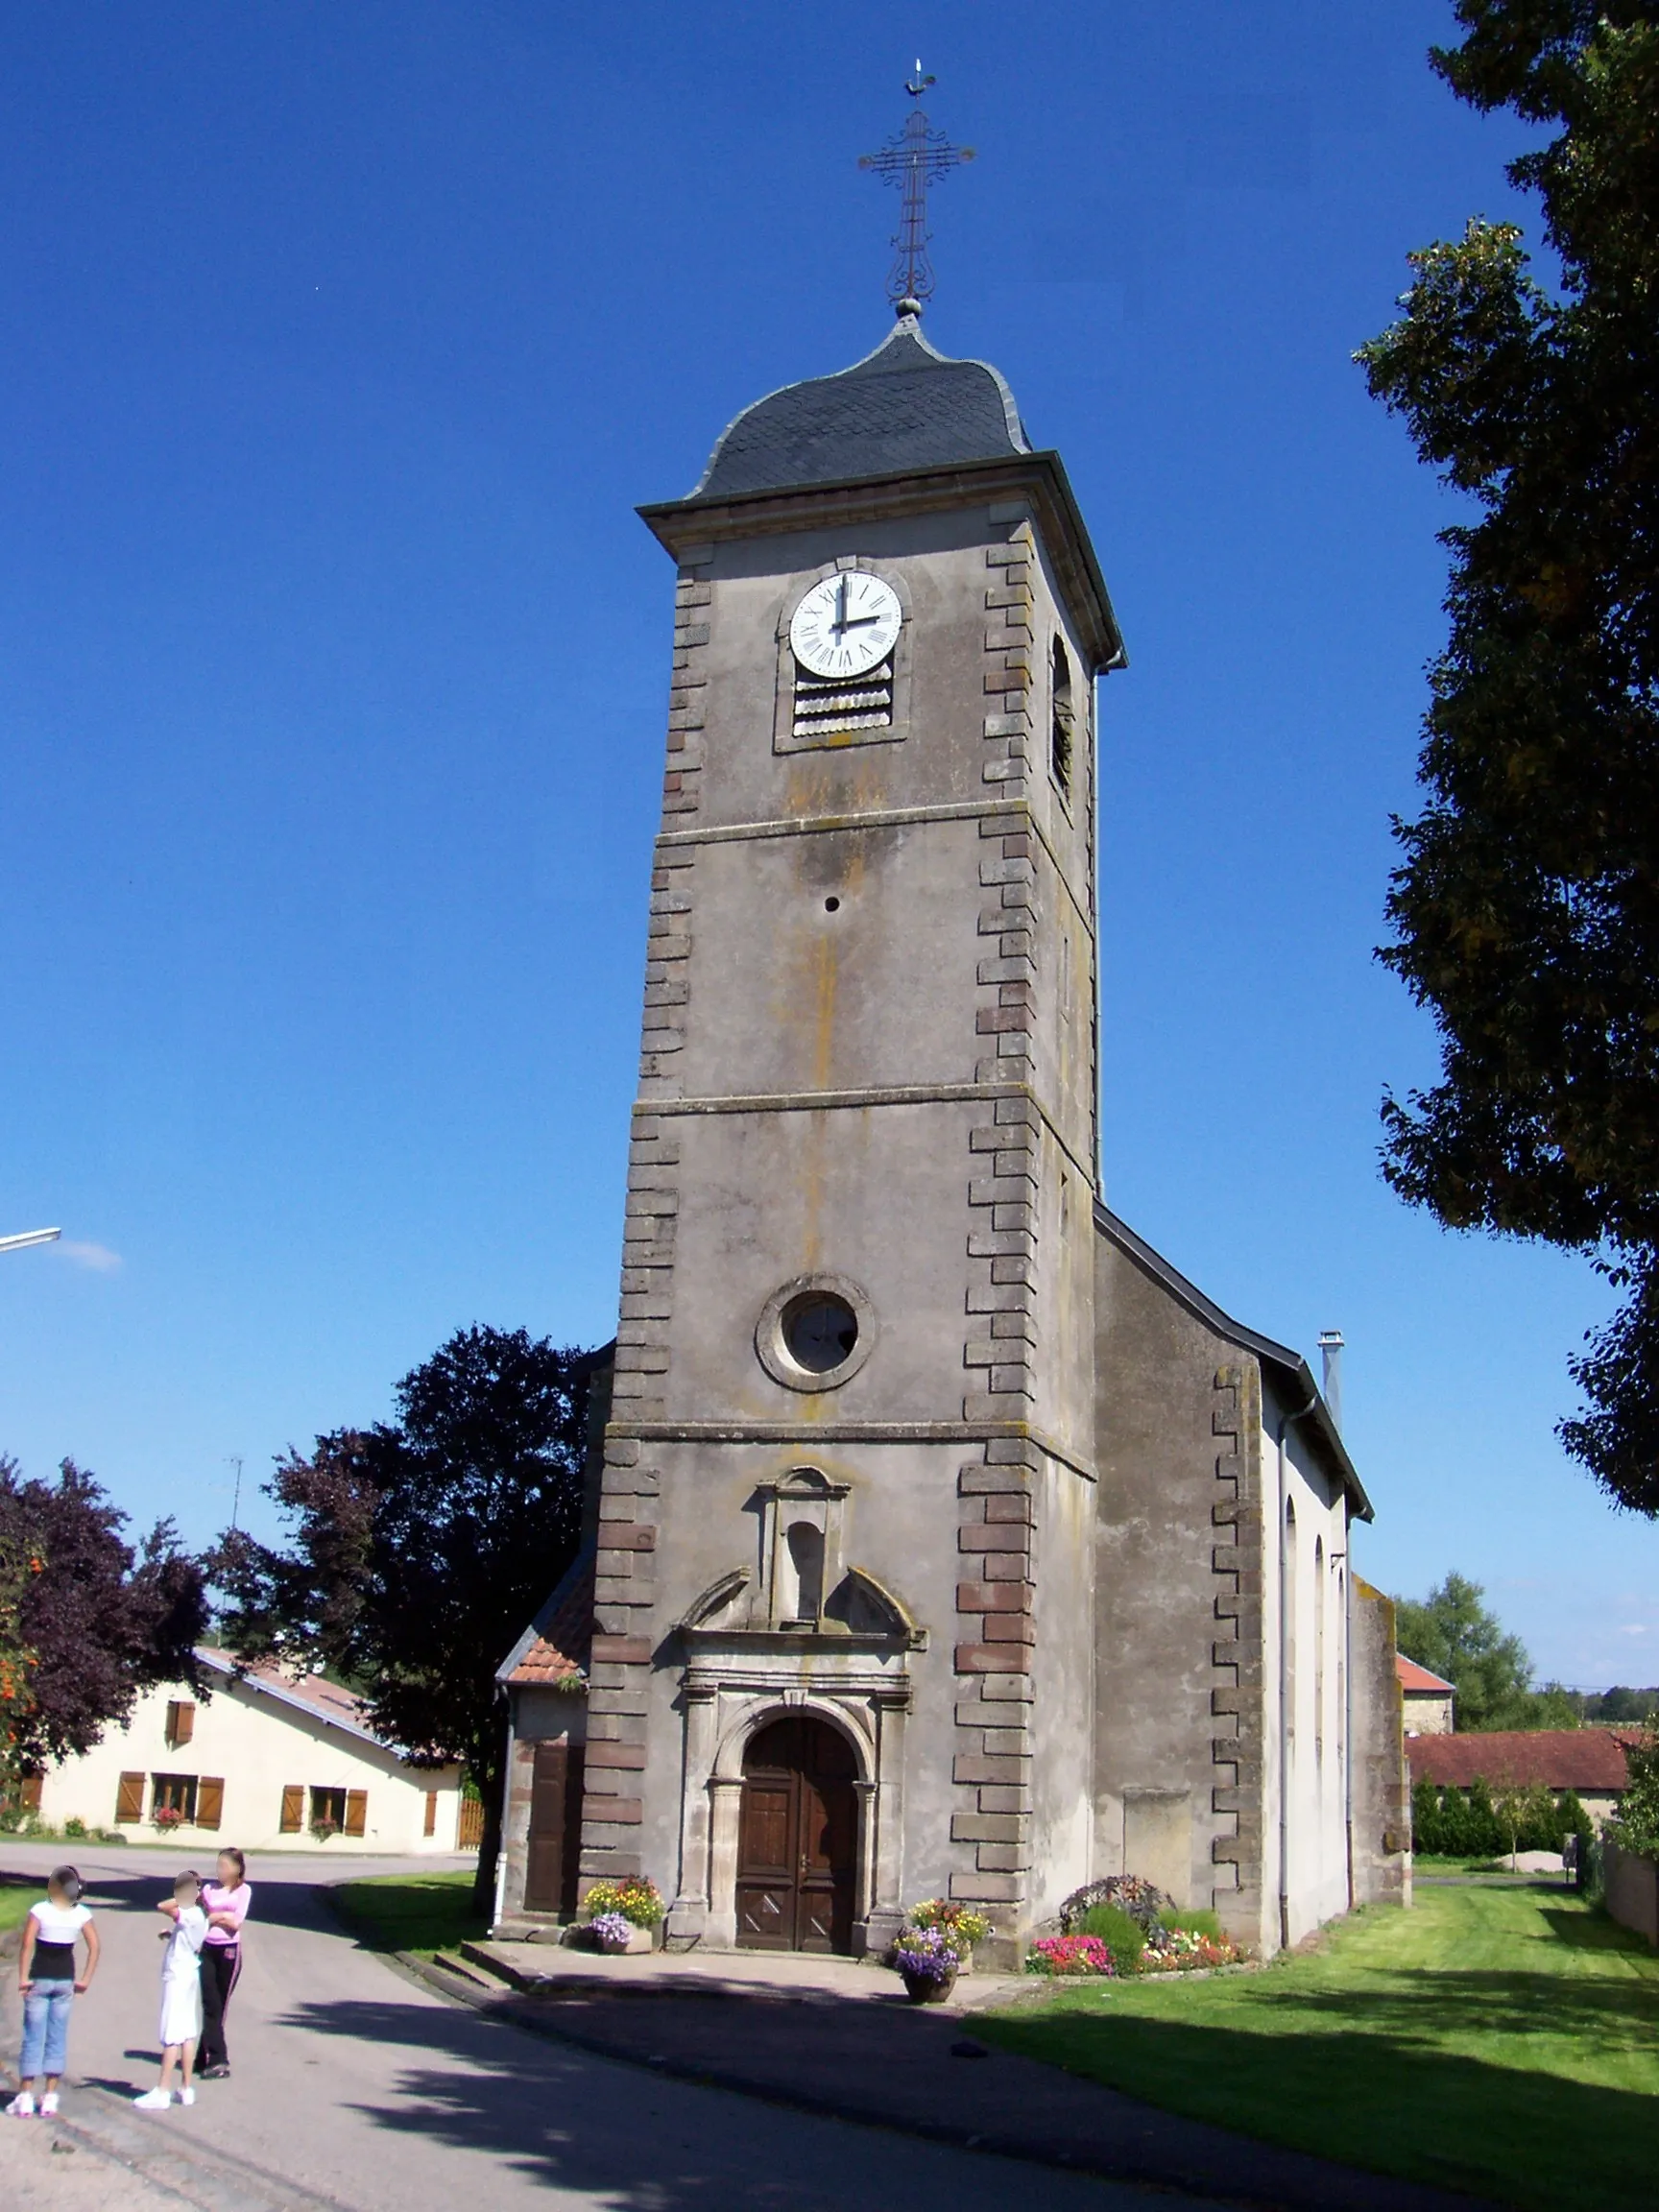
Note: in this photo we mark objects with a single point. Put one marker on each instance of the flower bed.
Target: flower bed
(1056, 1955)
(1187, 1951)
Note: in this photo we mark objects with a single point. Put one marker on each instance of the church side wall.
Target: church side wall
(1306, 1521)
(1178, 1714)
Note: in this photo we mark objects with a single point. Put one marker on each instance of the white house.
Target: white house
(270, 1761)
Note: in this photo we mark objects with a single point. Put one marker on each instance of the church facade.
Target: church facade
(942, 1539)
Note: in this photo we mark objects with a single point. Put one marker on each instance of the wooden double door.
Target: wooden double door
(797, 1839)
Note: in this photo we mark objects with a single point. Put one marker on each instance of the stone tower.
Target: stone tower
(845, 1594)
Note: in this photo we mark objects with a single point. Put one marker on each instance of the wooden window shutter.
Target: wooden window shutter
(31, 1789)
(356, 1812)
(209, 1801)
(293, 1809)
(429, 1825)
(129, 1798)
(180, 1721)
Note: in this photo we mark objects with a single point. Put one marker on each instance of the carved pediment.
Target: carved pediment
(859, 1609)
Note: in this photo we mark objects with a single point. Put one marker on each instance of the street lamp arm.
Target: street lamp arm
(29, 1236)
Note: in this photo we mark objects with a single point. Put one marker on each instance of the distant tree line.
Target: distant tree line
(1455, 1635)
(1453, 1823)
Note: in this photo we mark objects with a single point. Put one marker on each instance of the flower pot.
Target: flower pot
(635, 1940)
(929, 1988)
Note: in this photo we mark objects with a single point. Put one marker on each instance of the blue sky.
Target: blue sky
(341, 345)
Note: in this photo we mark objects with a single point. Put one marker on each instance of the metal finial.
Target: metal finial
(914, 159)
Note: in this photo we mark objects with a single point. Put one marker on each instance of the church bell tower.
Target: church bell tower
(844, 1588)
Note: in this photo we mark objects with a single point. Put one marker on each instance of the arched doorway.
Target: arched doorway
(797, 1838)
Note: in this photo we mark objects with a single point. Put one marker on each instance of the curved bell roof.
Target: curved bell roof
(903, 407)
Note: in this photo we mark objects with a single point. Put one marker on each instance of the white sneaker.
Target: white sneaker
(187, 2096)
(22, 2106)
(153, 2101)
(49, 2105)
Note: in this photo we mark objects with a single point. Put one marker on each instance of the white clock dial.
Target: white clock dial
(846, 625)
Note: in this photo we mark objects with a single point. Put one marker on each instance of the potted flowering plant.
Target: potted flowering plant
(960, 1924)
(167, 1818)
(622, 1915)
(929, 1962)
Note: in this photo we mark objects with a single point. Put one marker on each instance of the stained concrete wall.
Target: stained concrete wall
(1382, 1826)
(1157, 1683)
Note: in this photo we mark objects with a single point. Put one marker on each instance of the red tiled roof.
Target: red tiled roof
(1416, 1678)
(559, 1651)
(310, 1693)
(1561, 1758)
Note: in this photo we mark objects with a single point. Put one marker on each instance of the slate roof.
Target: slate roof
(1412, 1677)
(1589, 1759)
(903, 407)
(554, 1648)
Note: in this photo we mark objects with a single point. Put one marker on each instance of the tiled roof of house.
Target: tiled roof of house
(1561, 1758)
(310, 1694)
(555, 1649)
(1414, 1677)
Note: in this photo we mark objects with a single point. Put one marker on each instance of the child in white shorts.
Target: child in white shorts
(180, 1993)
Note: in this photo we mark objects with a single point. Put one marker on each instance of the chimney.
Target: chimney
(1330, 1352)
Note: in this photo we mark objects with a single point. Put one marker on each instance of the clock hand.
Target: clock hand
(841, 605)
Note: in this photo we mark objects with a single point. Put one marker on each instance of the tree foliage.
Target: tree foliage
(419, 1549)
(1454, 1634)
(1635, 1826)
(93, 1622)
(1525, 909)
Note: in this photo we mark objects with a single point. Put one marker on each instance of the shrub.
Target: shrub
(1122, 1935)
(75, 1826)
(1428, 1821)
(1199, 1921)
(1130, 1894)
(1635, 1826)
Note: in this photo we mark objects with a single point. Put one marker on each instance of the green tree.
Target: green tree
(420, 1548)
(1452, 1633)
(1526, 910)
(1635, 1826)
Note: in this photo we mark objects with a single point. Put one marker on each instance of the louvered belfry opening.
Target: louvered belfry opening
(823, 704)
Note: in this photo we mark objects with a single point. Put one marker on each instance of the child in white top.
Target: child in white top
(181, 1992)
(49, 1983)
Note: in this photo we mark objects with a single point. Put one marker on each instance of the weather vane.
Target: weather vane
(913, 161)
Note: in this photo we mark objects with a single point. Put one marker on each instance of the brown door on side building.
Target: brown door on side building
(555, 1849)
(797, 1839)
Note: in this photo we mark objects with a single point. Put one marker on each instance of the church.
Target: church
(942, 1538)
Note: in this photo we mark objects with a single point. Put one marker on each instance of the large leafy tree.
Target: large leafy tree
(1454, 1634)
(418, 1549)
(1525, 909)
(90, 1621)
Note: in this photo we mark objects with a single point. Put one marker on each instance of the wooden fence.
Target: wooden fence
(471, 1832)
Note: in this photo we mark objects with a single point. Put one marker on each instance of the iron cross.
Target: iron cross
(914, 159)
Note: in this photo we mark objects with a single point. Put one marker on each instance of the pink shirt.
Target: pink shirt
(215, 1899)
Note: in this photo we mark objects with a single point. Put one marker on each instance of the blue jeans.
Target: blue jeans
(46, 2028)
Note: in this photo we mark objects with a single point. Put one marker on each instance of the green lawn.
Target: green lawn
(15, 1899)
(422, 1913)
(1499, 2039)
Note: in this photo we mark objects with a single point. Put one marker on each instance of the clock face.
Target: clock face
(846, 625)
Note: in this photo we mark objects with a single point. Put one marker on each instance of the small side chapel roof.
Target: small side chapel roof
(1417, 1680)
(904, 406)
(552, 1653)
(1289, 1367)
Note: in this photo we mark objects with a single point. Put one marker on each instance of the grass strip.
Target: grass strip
(418, 1912)
(1500, 2040)
(15, 1899)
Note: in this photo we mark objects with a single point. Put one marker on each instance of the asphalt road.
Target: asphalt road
(357, 2088)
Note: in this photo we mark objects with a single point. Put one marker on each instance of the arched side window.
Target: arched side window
(1062, 720)
(1287, 1567)
(1320, 1595)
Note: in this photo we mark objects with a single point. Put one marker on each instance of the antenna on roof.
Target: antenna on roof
(914, 159)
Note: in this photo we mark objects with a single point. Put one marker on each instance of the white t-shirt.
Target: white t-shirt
(55, 1925)
(179, 1959)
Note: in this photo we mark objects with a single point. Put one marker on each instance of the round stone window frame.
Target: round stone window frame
(774, 1352)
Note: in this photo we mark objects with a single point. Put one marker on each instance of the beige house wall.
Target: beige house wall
(258, 1747)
